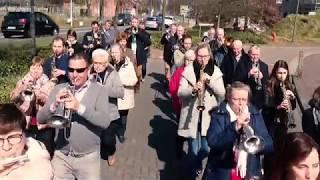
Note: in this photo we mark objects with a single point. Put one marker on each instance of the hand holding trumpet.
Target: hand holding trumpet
(65, 96)
(243, 119)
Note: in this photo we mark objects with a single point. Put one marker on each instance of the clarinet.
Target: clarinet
(291, 121)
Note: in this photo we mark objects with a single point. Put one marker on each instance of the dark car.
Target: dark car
(124, 19)
(18, 23)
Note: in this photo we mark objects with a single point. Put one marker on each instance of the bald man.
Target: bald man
(234, 63)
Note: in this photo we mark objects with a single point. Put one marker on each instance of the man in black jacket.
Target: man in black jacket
(138, 40)
(256, 76)
(168, 40)
(234, 64)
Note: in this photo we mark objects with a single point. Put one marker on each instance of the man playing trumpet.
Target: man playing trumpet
(229, 122)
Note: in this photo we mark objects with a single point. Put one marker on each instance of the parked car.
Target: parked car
(153, 23)
(168, 20)
(124, 19)
(18, 23)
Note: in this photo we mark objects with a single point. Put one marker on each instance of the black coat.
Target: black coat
(232, 71)
(168, 41)
(142, 40)
(258, 95)
(309, 126)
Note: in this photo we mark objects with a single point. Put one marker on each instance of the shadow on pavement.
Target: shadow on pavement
(162, 139)
(160, 85)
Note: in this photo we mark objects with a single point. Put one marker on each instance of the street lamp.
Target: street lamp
(71, 13)
(295, 22)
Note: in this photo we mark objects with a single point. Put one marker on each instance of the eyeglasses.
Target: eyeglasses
(240, 99)
(79, 70)
(12, 140)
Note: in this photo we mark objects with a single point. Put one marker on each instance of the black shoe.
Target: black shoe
(122, 139)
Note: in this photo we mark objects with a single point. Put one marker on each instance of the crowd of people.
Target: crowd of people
(69, 110)
(231, 110)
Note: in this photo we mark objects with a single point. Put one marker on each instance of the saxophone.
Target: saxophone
(201, 92)
(53, 68)
(291, 121)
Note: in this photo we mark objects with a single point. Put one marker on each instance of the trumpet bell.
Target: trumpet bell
(201, 107)
(292, 125)
(253, 145)
(28, 95)
(58, 121)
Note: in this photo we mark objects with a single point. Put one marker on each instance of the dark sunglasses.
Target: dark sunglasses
(79, 70)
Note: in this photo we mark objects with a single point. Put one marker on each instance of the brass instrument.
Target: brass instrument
(13, 160)
(201, 92)
(28, 94)
(53, 68)
(257, 79)
(249, 142)
(291, 121)
(62, 116)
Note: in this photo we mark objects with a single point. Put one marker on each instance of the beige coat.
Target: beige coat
(128, 79)
(189, 116)
(38, 165)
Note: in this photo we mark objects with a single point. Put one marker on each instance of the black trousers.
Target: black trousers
(108, 140)
(46, 136)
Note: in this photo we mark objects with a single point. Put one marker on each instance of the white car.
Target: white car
(168, 20)
(153, 23)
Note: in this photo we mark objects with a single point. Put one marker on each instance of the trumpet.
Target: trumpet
(250, 143)
(201, 92)
(62, 116)
(291, 121)
(257, 78)
(28, 94)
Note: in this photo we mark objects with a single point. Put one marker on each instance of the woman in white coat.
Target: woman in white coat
(201, 77)
(128, 78)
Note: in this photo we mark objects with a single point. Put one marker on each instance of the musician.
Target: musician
(128, 78)
(109, 34)
(106, 75)
(281, 100)
(256, 75)
(30, 96)
(77, 146)
(138, 40)
(220, 46)
(311, 116)
(147, 50)
(34, 160)
(226, 159)
(200, 82)
(168, 40)
(59, 61)
(72, 44)
(233, 63)
(92, 39)
(178, 55)
(189, 57)
(211, 35)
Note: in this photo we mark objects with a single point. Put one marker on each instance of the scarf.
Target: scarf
(208, 69)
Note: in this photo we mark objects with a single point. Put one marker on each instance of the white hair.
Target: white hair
(100, 53)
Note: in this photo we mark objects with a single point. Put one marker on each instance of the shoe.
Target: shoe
(142, 80)
(122, 139)
(111, 160)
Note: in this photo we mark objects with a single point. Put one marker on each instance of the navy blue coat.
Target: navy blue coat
(222, 136)
(61, 63)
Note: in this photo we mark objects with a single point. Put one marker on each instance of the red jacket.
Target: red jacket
(173, 89)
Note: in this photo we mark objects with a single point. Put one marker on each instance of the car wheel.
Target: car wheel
(55, 32)
(5, 35)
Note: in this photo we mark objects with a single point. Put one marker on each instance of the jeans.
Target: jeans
(68, 167)
(198, 150)
(122, 122)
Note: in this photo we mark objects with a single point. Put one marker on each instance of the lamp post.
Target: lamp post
(32, 28)
(71, 13)
(295, 22)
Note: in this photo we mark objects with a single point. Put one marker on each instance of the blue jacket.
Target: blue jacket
(222, 136)
(61, 63)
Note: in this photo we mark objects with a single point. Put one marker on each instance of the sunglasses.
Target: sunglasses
(78, 70)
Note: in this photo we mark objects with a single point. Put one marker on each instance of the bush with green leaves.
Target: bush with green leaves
(14, 63)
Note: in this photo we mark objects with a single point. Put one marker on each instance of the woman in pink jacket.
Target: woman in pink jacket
(189, 57)
(20, 157)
